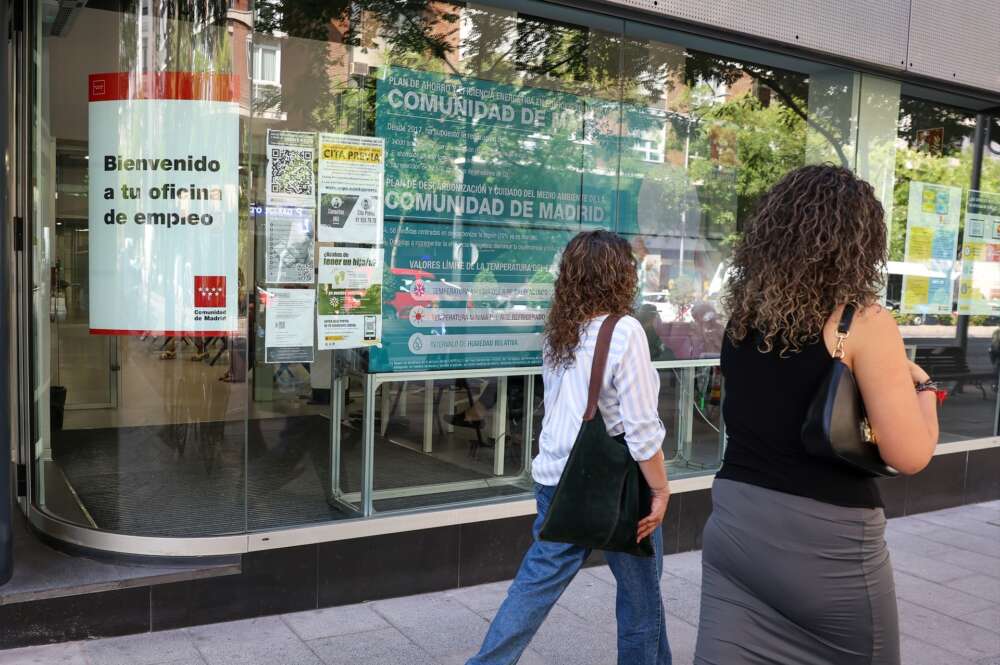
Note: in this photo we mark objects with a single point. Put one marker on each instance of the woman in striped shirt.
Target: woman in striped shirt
(597, 277)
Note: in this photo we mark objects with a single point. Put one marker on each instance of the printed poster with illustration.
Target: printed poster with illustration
(979, 285)
(349, 297)
(932, 223)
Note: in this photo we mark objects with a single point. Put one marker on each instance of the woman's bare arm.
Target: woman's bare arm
(904, 421)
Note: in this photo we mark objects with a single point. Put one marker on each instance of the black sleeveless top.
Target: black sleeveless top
(766, 398)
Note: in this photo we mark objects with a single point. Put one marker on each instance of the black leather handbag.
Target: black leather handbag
(836, 425)
(602, 493)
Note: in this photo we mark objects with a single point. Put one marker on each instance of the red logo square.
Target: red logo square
(210, 291)
(97, 88)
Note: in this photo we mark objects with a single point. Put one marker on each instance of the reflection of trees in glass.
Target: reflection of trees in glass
(371, 301)
(178, 36)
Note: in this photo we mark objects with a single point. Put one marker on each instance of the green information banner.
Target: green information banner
(474, 296)
(467, 149)
(485, 183)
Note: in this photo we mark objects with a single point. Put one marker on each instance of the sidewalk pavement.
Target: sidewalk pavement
(947, 568)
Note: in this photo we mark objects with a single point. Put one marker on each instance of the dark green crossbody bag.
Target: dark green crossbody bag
(602, 493)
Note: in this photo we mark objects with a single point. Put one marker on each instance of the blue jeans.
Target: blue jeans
(547, 570)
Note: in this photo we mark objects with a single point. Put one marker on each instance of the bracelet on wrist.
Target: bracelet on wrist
(927, 386)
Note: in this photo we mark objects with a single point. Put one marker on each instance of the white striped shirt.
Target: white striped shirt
(628, 400)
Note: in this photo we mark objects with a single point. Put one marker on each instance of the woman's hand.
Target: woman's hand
(917, 373)
(658, 509)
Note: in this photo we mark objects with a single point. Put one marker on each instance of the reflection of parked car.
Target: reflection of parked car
(410, 293)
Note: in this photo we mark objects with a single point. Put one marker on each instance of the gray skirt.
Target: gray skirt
(787, 580)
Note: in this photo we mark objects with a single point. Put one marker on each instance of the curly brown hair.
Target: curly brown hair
(817, 240)
(597, 275)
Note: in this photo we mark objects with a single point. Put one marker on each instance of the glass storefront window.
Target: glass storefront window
(216, 373)
(939, 225)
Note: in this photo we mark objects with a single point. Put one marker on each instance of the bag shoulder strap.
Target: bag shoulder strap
(844, 327)
(844, 330)
(600, 362)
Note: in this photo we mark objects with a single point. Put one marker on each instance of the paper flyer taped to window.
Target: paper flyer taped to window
(979, 285)
(288, 331)
(932, 222)
(351, 180)
(291, 158)
(290, 246)
(349, 298)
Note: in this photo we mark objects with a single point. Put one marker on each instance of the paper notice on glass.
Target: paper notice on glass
(932, 222)
(290, 243)
(288, 332)
(349, 298)
(979, 285)
(291, 158)
(163, 200)
(351, 175)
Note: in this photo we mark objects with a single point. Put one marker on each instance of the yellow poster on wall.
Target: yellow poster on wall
(979, 285)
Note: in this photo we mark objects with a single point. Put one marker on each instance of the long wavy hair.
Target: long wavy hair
(817, 240)
(597, 275)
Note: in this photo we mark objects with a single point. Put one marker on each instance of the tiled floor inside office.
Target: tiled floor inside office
(947, 576)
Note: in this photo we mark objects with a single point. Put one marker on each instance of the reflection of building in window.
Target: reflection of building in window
(266, 72)
(651, 149)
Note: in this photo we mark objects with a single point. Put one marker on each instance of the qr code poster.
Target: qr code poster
(291, 174)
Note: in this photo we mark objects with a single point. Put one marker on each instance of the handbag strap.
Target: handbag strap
(600, 362)
(844, 330)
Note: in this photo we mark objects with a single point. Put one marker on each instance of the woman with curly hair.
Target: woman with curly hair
(794, 563)
(597, 278)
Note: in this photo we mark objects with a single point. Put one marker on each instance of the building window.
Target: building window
(267, 64)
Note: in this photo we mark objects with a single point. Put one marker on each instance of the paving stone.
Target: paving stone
(965, 523)
(986, 513)
(982, 586)
(441, 627)
(682, 598)
(482, 598)
(966, 640)
(938, 597)
(686, 566)
(145, 649)
(914, 544)
(267, 640)
(963, 541)
(69, 653)
(683, 637)
(334, 621)
(910, 525)
(566, 638)
(529, 657)
(602, 573)
(925, 567)
(988, 619)
(918, 652)
(980, 563)
(385, 646)
(593, 600)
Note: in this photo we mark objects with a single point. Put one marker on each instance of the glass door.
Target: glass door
(86, 366)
